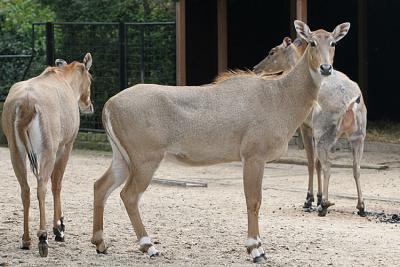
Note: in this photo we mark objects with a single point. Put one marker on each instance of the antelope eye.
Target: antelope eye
(271, 53)
(333, 44)
(313, 43)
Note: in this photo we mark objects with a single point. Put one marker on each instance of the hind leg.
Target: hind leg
(103, 187)
(18, 160)
(323, 158)
(56, 181)
(139, 179)
(46, 168)
(357, 144)
(319, 193)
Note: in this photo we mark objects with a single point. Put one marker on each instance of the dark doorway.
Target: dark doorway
(383, 60)
(254, 27)
(201, 41)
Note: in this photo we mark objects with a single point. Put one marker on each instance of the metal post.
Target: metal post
(142, 53)
(181, 42)
(50, 48)
(122, 57)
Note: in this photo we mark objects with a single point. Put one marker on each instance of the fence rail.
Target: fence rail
(124, 54)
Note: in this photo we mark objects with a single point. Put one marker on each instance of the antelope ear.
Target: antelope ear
(60, 62)
(286, 42)
(87, 60)
(340, 31)
(302, 30)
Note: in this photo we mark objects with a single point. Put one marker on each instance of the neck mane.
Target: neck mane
(66, 74)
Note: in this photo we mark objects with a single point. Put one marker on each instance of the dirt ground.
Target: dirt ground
(207, 226)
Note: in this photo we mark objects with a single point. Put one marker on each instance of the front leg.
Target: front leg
(253, 172)
(307, 135)
(56, 182)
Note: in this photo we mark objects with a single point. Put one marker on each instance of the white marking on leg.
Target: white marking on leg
(251, 242)
(261, 250)
(119, 169)
(140, 199)
(144, 241)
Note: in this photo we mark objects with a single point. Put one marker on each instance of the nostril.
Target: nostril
(326, 67)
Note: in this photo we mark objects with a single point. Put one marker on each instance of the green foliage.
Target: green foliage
(112, 11)
(16, 17)
(72, 41)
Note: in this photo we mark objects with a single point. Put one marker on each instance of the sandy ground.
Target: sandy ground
(207, 226)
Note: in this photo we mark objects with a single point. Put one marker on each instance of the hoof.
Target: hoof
(307, 204)
(322, 211)
(59, 231)
(259, 259)
(26, 245)
(101, 248)
(155, 255)
(152, 252)
(59, 234)
(101, 252)
(59, 238)
(319, 199)
(309, 201)
(361, 213)
(43, 246)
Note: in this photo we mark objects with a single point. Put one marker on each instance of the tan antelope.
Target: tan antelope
(340, 110)
(245, 118)
(41, 120)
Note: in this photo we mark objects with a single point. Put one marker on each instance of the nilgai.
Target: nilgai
(340, 110)
(41, 120)
(244, 118)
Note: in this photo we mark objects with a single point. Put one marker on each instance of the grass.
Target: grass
(383, 131)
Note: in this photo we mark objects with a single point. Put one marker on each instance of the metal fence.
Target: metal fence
(124, 54)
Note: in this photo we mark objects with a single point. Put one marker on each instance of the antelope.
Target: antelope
(244, 118)
(41, 121)
(340, 111)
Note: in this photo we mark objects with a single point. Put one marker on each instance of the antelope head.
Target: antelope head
(281, 58)
(321, 48)
(80, 80)
(85, 103)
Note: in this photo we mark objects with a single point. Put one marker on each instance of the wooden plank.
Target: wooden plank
(362, 49)
(181, 42)
(334, 165)
(178, 183)
(222, 36)
(301, 10)
(347, 196)
(293, 15)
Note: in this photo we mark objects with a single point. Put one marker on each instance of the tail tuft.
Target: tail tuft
(33, 161)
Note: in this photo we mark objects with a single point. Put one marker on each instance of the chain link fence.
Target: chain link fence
(124, 54)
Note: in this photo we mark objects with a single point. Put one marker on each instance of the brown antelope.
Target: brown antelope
(340, 110)
(41, 120)
(244, 118)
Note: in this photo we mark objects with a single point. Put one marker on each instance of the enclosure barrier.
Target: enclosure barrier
(124, 54)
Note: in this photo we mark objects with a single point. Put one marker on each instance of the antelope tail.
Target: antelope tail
(24, 114)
